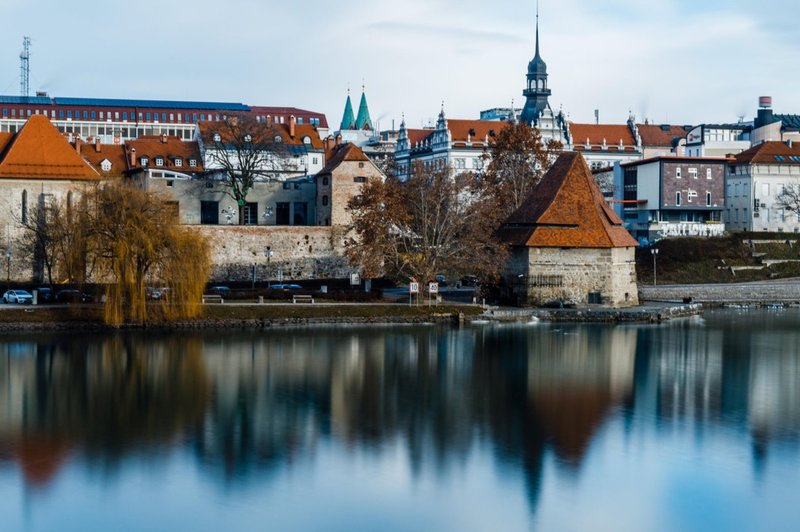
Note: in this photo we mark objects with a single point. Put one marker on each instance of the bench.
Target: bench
(300, 298)
(212, 298)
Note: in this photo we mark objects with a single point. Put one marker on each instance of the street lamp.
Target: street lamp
(654, 253)
(268, 254)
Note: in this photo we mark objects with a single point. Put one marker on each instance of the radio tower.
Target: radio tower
(25, 68)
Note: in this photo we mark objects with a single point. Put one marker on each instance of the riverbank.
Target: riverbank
(266, 316)
(764, 293)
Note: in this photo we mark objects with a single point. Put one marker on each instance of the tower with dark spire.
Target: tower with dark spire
(536, 93)
(348, 120)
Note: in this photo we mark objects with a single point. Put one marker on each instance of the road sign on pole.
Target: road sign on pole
(433, 288)
(413, 288)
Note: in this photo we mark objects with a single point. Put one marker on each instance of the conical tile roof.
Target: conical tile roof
(363, 121)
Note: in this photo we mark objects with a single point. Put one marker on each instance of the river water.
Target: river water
(689, 425)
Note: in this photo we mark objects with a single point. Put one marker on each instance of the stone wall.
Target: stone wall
(571, 274)
(300, 252)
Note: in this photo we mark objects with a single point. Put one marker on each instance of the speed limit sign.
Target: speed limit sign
(413, 288)
(433, 288)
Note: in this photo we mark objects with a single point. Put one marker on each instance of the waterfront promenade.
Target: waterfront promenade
(761, 292)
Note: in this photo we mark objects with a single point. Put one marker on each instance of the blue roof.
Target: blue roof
(34, 100)
(162, 104)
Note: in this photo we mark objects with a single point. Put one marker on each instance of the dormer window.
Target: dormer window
(306, 140)
(105, 165)
(143, 161)
(159, 161)
(178, 161)
(217, 138)
(278, 139)
(248, 138)
(192, 162)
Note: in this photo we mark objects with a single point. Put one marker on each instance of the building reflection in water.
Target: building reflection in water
(247, 403)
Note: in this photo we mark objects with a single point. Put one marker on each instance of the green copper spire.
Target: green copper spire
(363, 120)
(348, 122)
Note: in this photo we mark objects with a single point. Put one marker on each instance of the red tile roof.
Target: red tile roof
(168, 148)
(766, 152)
(460, 130)
(566, 209)
(660, 136)
(596, 133)
(343, 153)
(5, 138)
(115, 153)
(39, 151)
(207, 130)
(418, 135)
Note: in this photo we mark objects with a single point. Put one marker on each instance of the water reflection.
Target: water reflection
(247, 404)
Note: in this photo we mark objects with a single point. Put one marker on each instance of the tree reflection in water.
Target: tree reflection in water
(246, 403)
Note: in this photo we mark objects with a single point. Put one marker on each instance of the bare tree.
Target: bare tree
(519, 160)
(240, 151)
(789, 198)
(40, 238)
(429, 224)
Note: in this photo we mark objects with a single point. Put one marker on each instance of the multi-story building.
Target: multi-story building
(671, 196)
(755, 180)
(118, 120)
(602, 145)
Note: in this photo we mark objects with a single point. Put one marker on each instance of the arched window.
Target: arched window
(24, 206)
(325, 201)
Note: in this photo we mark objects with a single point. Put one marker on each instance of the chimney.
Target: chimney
(292, 123)
(338, 139)
(163, 138)
(326, 144)
(132, 157)
(269, 121)
(764, 116)
(97, 143)
(78, 143)
(789, 142)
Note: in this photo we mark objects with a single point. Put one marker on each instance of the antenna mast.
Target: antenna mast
(25, 68)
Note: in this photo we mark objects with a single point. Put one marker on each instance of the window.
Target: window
(125, 115)
(170, 183)
(764, 190)
(359, 179)
(146, 117)
(178, 161)
(287, 185)
(159, 161)
(678, 199)
(251, 214)
(325, 181)
(163, 117)
(86, 115)
(143, 161)
(116, 115)
(192, 162)
(708, 199)
(361, 165)
(306, 140)
(278, 139)
(314, 160)
(282, 213)
(693, 173)
(24, 206)
(300, 213)
(708, 173)
(678, 172)
(209, 212)
(324, 201)
(105, 165)
(217, 138)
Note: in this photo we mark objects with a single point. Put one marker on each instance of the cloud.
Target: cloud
(406, 29)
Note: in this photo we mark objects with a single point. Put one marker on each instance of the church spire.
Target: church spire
(363, 121)
(536, 93)
(348, 120)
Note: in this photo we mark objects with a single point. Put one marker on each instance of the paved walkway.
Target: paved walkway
(779, 291)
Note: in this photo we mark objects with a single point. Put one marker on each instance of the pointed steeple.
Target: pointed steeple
(536, 93)
(363, 120)
(348, 121)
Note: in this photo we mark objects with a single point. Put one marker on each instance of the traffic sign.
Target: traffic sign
(433, 288)
(413, 288)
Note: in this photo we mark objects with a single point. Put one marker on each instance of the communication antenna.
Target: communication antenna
(25, 68)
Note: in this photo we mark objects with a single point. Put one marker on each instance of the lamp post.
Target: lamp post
(268, 254)
(654, 253)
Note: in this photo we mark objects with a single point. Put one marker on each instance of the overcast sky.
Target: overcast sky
(682, 61)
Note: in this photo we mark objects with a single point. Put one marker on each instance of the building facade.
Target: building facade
(671, 196)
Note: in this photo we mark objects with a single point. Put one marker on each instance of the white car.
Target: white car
(17, 296)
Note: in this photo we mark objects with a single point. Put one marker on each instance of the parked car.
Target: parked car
(286, 286)
(442, 280)
(220, 290)
(470, 280)
(44, 294)
(18, 296)
(70, 295)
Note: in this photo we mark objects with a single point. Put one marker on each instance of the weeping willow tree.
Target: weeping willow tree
(135, 240)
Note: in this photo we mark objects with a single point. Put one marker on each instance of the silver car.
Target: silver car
(17, 296)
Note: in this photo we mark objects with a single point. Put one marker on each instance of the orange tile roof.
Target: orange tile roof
(39, 151)
(418, 135)
(343, 153)
(207, 130)
(152, 146)
(460, 129)
(115, 153)
(597, 132)
(766, 152)
(660, 136)
(5, 138)
(566, 209)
